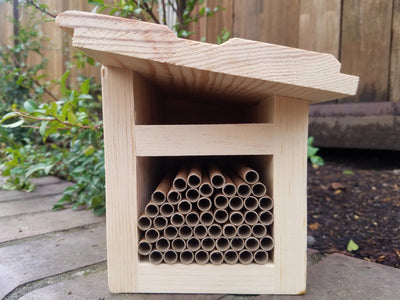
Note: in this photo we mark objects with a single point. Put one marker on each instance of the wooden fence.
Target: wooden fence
(363, 34)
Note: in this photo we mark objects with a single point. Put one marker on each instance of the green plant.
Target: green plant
(315, 159)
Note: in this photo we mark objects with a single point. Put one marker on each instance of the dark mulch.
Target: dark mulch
(356, 195)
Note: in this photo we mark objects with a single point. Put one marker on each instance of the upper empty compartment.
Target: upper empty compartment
(237, 69)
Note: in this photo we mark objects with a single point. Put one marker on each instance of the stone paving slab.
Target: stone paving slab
(342, 277)
(94, 286)
(18, 207)
(41, 190)
(17, 227)
(49, 255)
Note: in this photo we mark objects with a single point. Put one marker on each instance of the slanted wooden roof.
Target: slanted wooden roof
(239, 67)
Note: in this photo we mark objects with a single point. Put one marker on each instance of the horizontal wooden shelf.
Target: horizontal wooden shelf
(197, 140)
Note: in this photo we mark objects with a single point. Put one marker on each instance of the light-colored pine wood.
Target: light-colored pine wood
(228, 69)
(365, 46)
(199, 140)
(319, 25)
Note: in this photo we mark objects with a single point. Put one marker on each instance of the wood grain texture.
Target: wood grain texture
(6, 28)
(394, 88)
(319, 25)
(121, 177)
(365, 46)
(154, 52)
(199, 140)
(267, 21)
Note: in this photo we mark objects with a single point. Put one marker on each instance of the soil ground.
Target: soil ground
(356, 196)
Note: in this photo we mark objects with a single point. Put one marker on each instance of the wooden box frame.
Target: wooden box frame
(143, 62)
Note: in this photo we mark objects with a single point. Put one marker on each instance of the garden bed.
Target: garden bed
(356, 195)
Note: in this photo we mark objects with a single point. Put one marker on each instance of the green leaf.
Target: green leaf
(71, 117)
(13, 125)
(317, 160)
(89, 150)
(99, 210)
(39, 167)
(348, 172)
(310, 140)
(8, 116)
(311, 151)
(96, 2)
(58, 207)
(85, 86)
(352, 246)
(42, 129)
(63, 86)
(30, 106)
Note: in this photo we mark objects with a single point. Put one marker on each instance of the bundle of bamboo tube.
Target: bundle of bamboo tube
(202, 215)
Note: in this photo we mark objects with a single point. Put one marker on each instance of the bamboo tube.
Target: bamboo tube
(204, 204)
(151, 235)
(167, 210)
(222, 244)
(245, 257)
(206, 218)
(207, 244)
(229, 231)
(185, 232)
(266, 203)
(251, 203)
(180, 180)
(170, 257)
(160, 193)
(160, 222)
(184, 206)
(144, 247)
(200, 231)
(267, 243)
(216, 177)
(162, 244)
(236, 203)
(201, 257)
(206, 189)
(221, 216)
(170, 232)
(252, 244)
(244, 231)
(228, 189)
(258, 189)
(178, 244)
(214, 231)
(216, 257)
(248, 174)
(173, 196)
(221, 201)
(192, 195)
(231, 257)
(144, 222)
(186, 257)
(194, 176)
(177, 219)
(151, 210)
(243, 189)
(156, 257)
(251, 217)
(193, 244)
(236, 218)
(261, 257)
(259, 230)
(192, 218)
(266, 217)
(237, 244)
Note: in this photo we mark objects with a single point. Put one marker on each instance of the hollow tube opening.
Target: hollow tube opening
(178, 244)
(236, 218)
(177, 220)
(151, 210)
(221, 216)
(201, 257)
(155, 257)
(267, 243)
(204, 204)
(229, 230)
(217, 181)
(216, 257)
(252, 244)
(200, 231)
(206, 218)
(206, 190)
(244, 190)
(167, 209)
(244, 231)
(266, 217)
(237, 244)
(184, 206)
(245, 257)
(192, 195)
(158, 197)
(236, 203)
(266, 203)
(144, 247)
(251, 217)
(173, 197)
(229, 190)
(185, 232)
(222, 244)
(259, 189)
(251, 177)
(160, 222)
(251, 203)
(215, 231)
(192, 219)
(259, 230)
(193, 244)
(144, 223)
(186, 257)
(151, 235)
(179, 184)
(220, 201)
(194, 180)
(170, 257)
(170, 232)
(261, 257)
(231, 257)
(208, 244)
(162, 244)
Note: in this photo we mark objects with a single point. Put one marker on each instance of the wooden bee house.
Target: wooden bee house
(168, 102)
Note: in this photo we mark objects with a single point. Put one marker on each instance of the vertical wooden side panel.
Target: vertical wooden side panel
(394, 88)
(290, 194)
(365, 46)
(118, 112)
(319, 25)
(6, 26)
(267, 21)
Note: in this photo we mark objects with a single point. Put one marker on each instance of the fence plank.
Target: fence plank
(6, 27)
(394, 89)
(267, 21)
(365, 46)
(220, 20)
(319, 25)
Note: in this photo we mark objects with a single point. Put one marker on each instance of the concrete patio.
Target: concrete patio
(62, 255)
